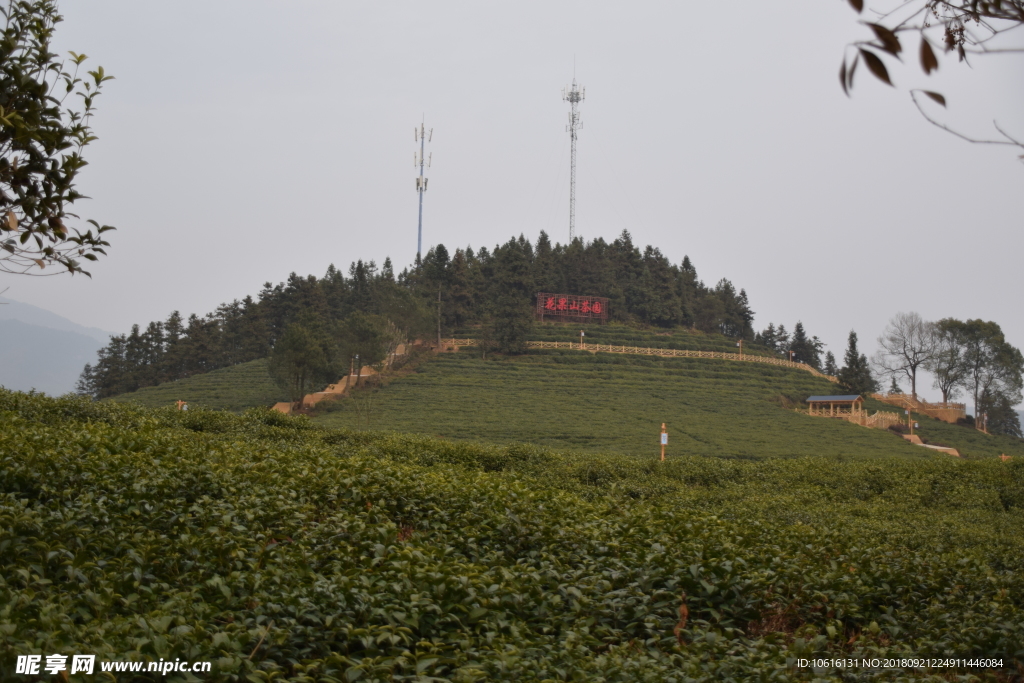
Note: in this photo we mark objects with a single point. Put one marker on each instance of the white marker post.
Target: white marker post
(581, 340)
(664, 441)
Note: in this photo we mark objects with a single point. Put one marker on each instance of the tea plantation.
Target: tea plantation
(235, 388)
(281, 550)
(615, 403)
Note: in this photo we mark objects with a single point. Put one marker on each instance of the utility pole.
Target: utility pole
(573, 94)
(422, 136)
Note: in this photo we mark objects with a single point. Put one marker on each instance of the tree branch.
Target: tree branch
(1009, 139)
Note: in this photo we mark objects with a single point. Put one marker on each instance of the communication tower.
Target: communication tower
(573, 94)
(422, 136)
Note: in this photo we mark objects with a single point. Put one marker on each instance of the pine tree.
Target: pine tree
(768, 337)
(830, 365)
(782, 340)
(511, 293)
(855, 376)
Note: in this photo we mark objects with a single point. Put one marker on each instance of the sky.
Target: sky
(243, 140)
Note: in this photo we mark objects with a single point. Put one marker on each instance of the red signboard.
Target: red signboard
(570, 307)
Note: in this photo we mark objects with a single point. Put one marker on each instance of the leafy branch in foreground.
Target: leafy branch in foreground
(42, 135)
(966, 27)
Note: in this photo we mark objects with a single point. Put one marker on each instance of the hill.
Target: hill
(594, 403)
(235, 388)
(40, 317)
(616, 403)
(42, 358)
(278, 550)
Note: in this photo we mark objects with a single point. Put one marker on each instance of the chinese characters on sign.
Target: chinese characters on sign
(568, 307)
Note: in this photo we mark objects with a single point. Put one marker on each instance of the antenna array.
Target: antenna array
(422, 136)
(573, 94)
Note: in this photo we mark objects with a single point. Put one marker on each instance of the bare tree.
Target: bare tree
(907, 344)
(967, 27)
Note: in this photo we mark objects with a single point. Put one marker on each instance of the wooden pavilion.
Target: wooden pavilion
(846, 406)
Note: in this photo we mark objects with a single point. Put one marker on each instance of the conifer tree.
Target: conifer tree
(830, 365)
(805, 350)
(855, 376)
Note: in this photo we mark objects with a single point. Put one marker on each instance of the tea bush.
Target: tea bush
(284, 551)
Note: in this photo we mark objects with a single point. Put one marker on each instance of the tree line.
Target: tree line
(329, 320)
(970, 357)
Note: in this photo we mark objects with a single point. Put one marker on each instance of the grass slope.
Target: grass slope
(235, 389)
(616, 403)
(281, 551)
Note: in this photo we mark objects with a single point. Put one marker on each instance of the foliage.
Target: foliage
(799, 347)
(830, 367)
(855, 376)
(365, 338)
(489, 290)
(804, 349)
(994, 366)
(42, 137)
(511, 314)
(280, 551)
(1000, 415)
(948, 364)
(975, 356)
(304, 360)
(967, 27)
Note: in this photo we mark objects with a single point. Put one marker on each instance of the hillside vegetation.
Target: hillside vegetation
(236, 388)
(283, 551)
(616, 403)
(494, 289)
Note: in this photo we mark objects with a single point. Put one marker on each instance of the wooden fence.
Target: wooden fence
(882, 420)
(948, 412)
(661, 353)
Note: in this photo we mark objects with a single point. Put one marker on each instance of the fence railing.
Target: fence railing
(661, 353)
(883, 420)
(942, 410)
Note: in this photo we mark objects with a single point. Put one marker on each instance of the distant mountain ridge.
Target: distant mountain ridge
(40, 317)
(43, 351)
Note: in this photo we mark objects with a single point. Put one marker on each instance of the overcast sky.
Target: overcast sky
(244, 140)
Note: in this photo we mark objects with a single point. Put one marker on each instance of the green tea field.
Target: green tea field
(623, 335)
(279, 550)
(236, 388)
(616, 403)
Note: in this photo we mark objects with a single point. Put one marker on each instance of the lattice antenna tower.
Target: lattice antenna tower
(422, 136)
(573, 94)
